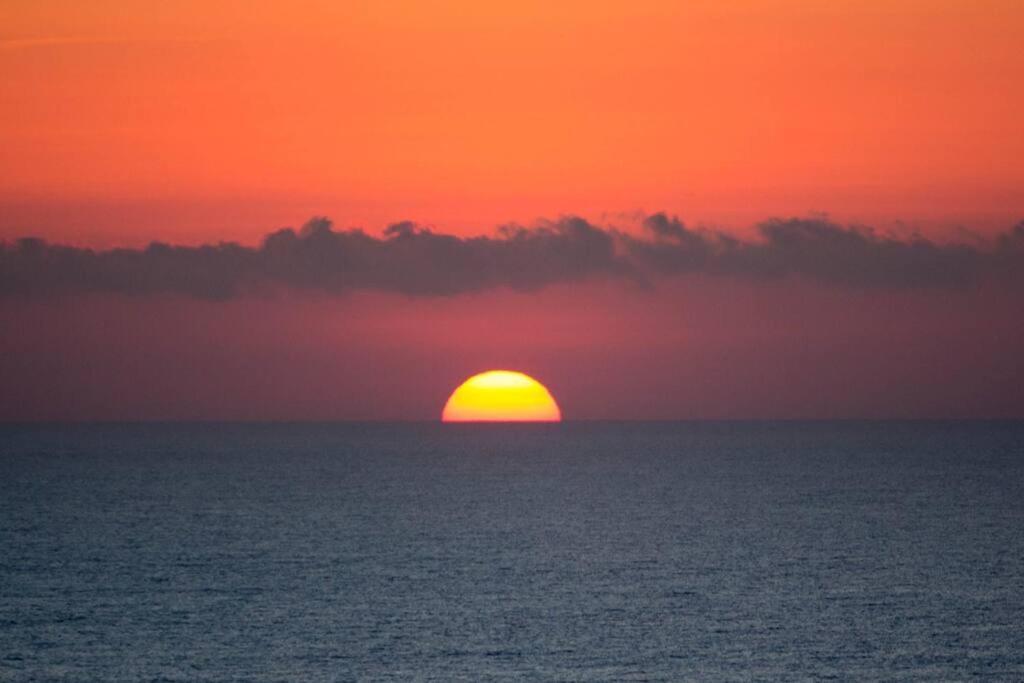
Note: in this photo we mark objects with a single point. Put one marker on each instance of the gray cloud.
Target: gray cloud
(822, 251)
(417, 261)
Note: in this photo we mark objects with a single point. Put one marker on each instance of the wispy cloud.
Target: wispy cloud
(63, 41)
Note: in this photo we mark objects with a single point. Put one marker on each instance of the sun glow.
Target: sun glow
(501, 396)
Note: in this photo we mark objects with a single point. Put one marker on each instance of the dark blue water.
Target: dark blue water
(742, 551)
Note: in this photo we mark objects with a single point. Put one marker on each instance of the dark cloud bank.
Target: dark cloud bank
(416, 261)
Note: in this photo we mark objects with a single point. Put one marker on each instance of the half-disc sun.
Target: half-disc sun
(501, 396)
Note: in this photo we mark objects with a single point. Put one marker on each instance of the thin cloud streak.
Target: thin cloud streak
(11, 44)
(417, 261)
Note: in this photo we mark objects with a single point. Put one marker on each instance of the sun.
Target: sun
(501, 396)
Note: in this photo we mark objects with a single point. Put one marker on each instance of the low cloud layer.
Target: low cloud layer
(416, 261)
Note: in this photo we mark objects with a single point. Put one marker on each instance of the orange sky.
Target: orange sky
(196, 120)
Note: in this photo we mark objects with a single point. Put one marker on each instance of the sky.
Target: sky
(663, 210)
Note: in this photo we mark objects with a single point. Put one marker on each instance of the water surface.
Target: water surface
(586, 551)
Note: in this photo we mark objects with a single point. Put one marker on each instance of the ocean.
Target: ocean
(703, 551)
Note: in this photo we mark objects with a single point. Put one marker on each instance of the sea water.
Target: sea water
(574, 551)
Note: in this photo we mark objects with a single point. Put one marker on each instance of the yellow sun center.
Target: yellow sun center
(501, 396)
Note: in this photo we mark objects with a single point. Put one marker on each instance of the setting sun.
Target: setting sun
(501, 396)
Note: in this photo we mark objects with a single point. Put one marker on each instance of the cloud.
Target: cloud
(819, 250)
(417, 261)
(38, 42)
